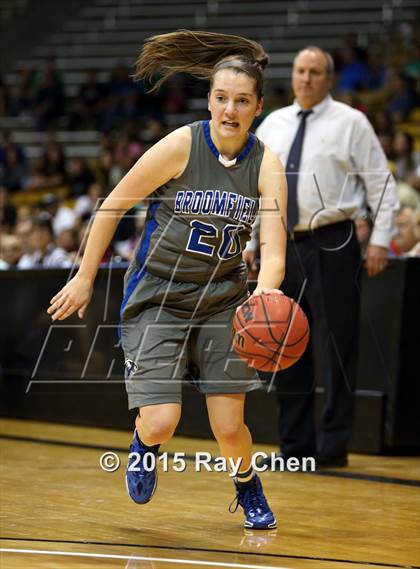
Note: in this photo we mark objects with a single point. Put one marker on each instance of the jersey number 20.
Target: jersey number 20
(200, 231)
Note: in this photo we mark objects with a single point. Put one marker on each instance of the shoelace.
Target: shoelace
(232, 510)
(251, 498)
(254, 499)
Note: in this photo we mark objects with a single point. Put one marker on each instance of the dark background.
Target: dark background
(72, 371)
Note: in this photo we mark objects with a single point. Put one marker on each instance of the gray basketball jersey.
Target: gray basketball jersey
(197, 225)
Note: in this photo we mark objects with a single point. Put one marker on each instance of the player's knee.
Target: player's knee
(228, 432)
(159, 431)
(158, 428)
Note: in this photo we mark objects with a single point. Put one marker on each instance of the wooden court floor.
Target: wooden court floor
(60, 509)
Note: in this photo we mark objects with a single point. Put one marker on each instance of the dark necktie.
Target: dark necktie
(292, 171)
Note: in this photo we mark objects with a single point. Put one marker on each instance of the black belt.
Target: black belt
(298, 235)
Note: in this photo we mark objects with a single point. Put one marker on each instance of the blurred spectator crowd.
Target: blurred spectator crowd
(47, 203)
(101, 105)
(384, 83)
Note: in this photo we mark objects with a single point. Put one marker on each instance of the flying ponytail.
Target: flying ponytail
(200, 54)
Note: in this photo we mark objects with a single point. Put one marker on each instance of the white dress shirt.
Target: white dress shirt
(64, 219)
(54, 257)
(342, 166)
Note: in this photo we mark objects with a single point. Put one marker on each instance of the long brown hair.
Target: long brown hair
(200, 54)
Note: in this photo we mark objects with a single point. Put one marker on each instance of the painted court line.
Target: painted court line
(139, 558)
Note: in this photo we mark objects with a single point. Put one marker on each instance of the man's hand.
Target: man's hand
(376, 259)
(250, 258)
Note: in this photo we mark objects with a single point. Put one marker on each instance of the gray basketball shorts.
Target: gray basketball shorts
(163, 349)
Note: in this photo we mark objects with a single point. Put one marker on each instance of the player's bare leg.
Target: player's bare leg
(155, 425)
(226, 415)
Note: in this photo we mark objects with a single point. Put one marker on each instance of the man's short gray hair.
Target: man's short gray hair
(329, 62)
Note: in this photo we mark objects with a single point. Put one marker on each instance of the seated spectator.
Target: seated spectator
(408, 196)
(88, 103)
(36, 179)
(407, 232)
(121, 84)
(106, 141)
(68, 240)
(80, 177)
(126, 227)
(10, 251)
(3, 144)
(23, 231)
(8, 212)
(62, 217)
(104, 169)
(24, 213)
(45, 252)
(175, 98)
(412, 66)
(25, 95)
(54, 164)
(125, 249)
(352, 72)
(49, 97)
(375, 72)
(382, 122)
(85, 205)
(415, 251)
(92, 91)
(404, 158)
(401, 96)
(112, 169)
(151, 103)
(6, 140)
(152, 131)
(128, 146)
(49, 171)
(130, 106)
(13, 171)
(385, 138)
(83, 234)
(110, 113)
(6, 102)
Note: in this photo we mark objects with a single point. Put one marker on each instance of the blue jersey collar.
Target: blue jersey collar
(227, 163)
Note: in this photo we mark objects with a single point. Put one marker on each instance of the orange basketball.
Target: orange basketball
(271, 332)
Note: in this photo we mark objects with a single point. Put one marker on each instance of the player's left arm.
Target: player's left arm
(272, 187)
(381, 193)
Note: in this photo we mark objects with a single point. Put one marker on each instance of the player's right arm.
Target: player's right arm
(166, 160)
(273, 212)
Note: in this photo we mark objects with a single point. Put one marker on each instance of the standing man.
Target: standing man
(335, 168)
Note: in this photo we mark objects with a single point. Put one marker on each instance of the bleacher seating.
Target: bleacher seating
(106, 33)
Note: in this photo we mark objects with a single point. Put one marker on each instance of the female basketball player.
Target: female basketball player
(205, 181)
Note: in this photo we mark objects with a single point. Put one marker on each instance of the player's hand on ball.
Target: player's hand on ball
(271, 331)
(259, 291)
(74, 296)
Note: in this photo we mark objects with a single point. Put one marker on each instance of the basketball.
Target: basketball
(270, 332)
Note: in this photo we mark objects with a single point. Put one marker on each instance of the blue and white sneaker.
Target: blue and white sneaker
(141, 483)
(251, 497)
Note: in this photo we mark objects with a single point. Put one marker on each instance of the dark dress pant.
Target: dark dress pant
(322, 274)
